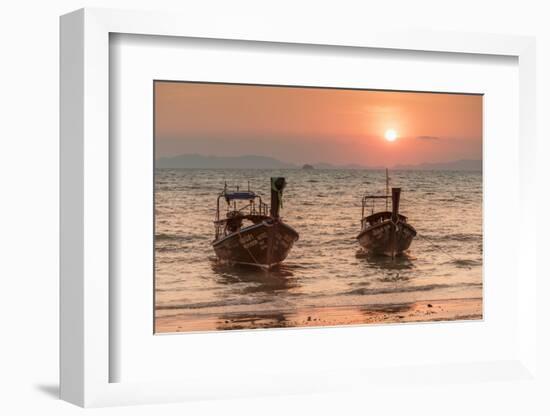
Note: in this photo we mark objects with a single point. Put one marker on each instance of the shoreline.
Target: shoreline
(409, 312)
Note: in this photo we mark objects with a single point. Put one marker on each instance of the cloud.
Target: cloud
(429, 138)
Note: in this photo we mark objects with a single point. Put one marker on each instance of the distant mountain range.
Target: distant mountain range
(195, 161)
(464, 164)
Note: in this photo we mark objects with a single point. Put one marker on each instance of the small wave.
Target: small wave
(169, 248)
(174, 237)
(360, 284)
(165, 237)
(389, 307)
(196, 186)
(338, 241)
(212, 304)
(464, 263)
(407, 289)
(462, 237)
(395, 278)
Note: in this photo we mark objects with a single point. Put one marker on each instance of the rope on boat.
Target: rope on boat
(440, 249)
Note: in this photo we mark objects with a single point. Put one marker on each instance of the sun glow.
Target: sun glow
(390, 135)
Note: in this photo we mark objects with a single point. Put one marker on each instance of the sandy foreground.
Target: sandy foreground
(423, 311)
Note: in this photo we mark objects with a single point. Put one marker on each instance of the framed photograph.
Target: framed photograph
(270, 212)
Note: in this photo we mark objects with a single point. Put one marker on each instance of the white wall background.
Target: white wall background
(29, 199)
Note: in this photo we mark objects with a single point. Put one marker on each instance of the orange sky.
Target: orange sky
(312, 125)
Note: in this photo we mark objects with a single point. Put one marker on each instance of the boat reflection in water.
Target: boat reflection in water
(252, 320)
(255, 280)
(251, 232)
(376, 262)
(260, 285)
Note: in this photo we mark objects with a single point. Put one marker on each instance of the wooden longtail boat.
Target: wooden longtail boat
(251, 232)
(385, 232)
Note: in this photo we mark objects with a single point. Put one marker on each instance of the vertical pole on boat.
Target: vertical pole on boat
(387, 188)
(216, 224)
(395, 196)
(277, 186)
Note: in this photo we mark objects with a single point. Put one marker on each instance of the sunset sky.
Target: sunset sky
(312, 125)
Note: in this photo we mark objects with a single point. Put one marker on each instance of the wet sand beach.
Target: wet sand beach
(425, 311)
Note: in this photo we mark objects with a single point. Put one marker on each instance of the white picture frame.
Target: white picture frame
(85, 211)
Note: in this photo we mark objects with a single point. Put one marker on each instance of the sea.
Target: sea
(326, 268)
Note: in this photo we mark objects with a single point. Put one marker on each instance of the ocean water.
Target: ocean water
(326, 269)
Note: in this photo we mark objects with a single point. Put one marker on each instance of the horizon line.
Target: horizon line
(299, 165)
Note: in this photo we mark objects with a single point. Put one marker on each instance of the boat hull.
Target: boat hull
(265, 244)
(387, 238)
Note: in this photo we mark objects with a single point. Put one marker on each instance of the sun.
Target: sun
(390, 135)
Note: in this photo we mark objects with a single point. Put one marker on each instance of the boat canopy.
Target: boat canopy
(242, 196)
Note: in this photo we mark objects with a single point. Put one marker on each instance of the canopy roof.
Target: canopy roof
(246, 195)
